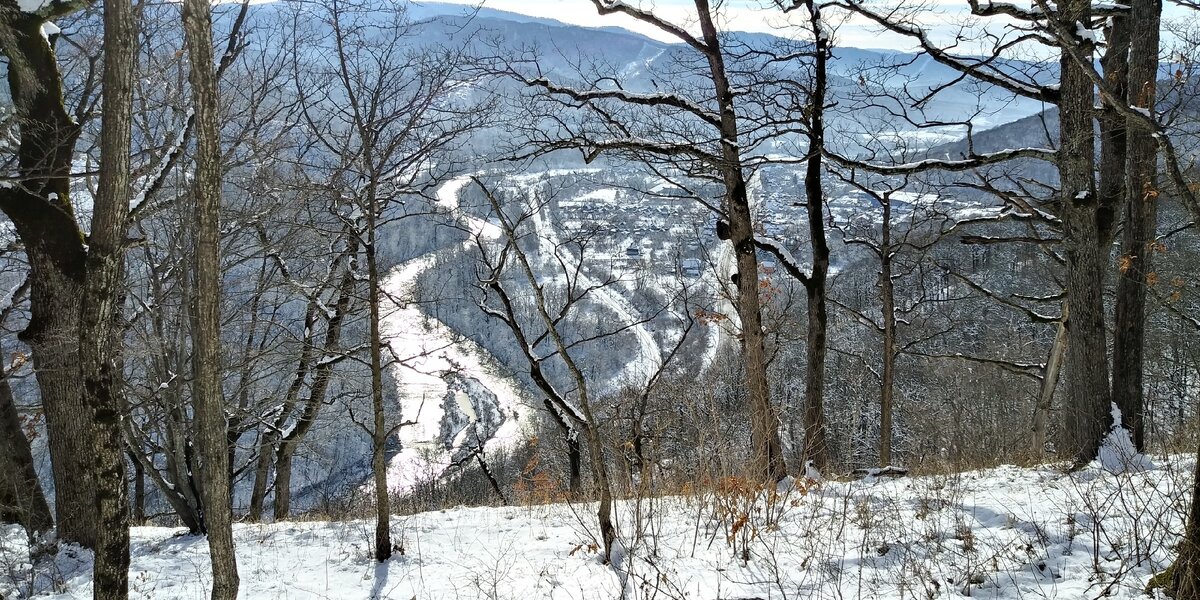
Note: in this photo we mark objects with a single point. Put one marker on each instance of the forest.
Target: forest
(391, 299)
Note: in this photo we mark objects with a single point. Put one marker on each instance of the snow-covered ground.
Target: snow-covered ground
(1009, 532)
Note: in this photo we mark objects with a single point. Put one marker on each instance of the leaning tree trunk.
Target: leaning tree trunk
(21, 497)
(269, 449)
(319, 376)
(1141, 220)
(574, 452)
(209, 402)
(99, 332)
(1050, 376)
(1086, 406)
(584, 416)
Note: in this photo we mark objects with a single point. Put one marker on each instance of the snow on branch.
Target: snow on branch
(784, 256)
(987, 8)
(1031, 370)
(660, 99)
(1143, 116)
(968, 163)
(1034, 316)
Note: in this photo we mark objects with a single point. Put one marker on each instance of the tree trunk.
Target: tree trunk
(887, 295)
(262, 472)
(1185, 583)
(100, 340)
(178, 492)
(318, 388)
(379, 432)
(815, 449)
(1050, 376)
(1141, 220)
(44, 219)
(574, 452)
(283, 485)
(207, 393)
(21, 497)
(769, 465)
(1086, 410)
(139, 492)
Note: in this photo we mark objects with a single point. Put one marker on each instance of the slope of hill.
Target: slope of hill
(1004, 533)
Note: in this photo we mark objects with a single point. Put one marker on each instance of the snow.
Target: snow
(1117, 453)
(163, 163)
(1083, 33)
(592, 198)
(32, 6)
(433, 360)
(648, 356)
(1006, 533)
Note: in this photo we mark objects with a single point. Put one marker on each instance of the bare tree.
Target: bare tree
(1092, 189)
(216, 488)
(383, 120)
(812, 115)
(100, 341)
(41, 210)
(697, 133)
(566, 413)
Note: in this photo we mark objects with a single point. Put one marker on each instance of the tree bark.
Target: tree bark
(769, 465)
(262, 472)
(574, 453)
(21, 497)
(207, 393)
(1086, 410)
(139, 492)
(44, 219)
(815, 449)
(379, 432)
(887, 295)
(1141, 220)
(100, 340)
(1050, 376)
(1185, 575)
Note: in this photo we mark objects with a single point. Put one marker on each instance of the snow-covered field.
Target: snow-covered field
(435, 362)
(1002, 533)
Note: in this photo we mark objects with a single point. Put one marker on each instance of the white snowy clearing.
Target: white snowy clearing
(431, 355)
(1004, 533)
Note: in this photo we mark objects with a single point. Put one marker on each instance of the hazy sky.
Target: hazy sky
(740, 15)
(941, 18)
